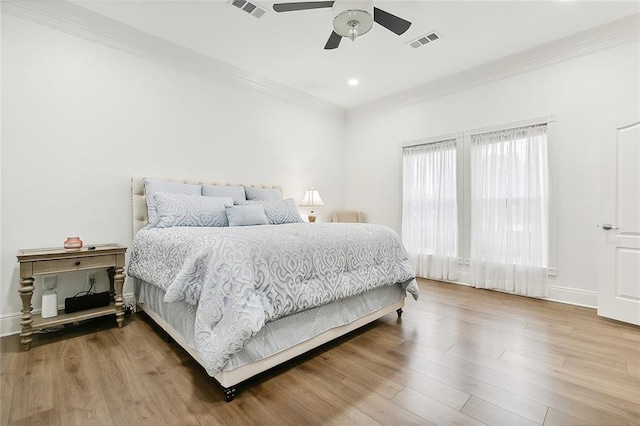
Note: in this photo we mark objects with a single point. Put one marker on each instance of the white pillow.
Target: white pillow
(153, 186)
(278, 211)
(191, 210)
(246, 215)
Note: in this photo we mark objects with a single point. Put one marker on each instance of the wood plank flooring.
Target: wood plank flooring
(458, 356)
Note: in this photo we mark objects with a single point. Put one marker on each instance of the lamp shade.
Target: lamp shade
(311, 198)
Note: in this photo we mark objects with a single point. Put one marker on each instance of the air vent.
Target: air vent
(249, 7)
(425, 39)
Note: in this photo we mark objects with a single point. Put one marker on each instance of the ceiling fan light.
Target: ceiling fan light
(348, 13)
(353, 30)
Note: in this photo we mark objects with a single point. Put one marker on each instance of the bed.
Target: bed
(243, 299)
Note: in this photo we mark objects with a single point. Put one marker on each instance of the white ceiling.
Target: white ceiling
(288, 47)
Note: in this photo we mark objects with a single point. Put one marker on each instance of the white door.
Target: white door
(619, 227)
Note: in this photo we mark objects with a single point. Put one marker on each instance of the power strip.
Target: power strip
(88, 301)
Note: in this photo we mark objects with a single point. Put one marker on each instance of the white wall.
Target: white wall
(79, 119)
(579, 93)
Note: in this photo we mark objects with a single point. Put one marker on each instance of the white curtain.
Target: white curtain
(429, 211)
(509, 210)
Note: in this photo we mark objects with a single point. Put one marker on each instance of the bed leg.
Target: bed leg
(399, 312)
(229, 393)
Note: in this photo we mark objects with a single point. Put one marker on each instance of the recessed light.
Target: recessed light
(353, 82)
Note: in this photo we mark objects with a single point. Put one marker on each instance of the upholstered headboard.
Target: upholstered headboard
(139, 200)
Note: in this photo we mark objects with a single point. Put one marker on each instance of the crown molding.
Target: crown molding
(614, 34)
(83, 23)
(80, 22)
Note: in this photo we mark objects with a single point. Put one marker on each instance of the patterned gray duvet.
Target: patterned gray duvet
(240, 278)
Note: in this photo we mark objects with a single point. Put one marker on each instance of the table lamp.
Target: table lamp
(311, 199)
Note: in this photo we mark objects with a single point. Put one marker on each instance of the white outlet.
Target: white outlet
(49, 282)
(552, 272)
(91, 278)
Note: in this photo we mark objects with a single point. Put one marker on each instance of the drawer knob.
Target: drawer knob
(78, 263)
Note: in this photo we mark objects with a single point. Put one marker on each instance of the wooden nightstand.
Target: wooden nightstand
(56, 260)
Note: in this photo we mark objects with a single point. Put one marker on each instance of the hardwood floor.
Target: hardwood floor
(458, 356)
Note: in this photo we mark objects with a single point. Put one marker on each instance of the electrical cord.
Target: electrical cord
(87, 292)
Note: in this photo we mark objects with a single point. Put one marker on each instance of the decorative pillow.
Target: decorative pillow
(191, 210)
(262, 193)
(279, 211)
(153, 186)
(246, 215)
(235, 192)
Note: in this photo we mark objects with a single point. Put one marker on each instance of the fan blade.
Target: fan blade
(390, 22)
(290, 7)
(333, 42)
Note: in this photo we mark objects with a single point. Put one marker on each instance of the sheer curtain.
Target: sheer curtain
(509, 210)
(429, 211)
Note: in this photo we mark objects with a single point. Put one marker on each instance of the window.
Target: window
(510, 209)
(479, 205)
(430, 210)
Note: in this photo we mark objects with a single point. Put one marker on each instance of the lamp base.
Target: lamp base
(312, 218)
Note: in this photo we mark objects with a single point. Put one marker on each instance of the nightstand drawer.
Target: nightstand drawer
(64, 265)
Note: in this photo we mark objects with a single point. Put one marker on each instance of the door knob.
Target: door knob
(608, 226)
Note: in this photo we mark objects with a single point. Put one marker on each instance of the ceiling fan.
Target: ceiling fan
(351, 18)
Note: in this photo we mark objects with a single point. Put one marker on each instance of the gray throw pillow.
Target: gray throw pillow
(153, 186)
(235, 192)
(191, 210)
(262, 193)
(279, 211)
(246, 215)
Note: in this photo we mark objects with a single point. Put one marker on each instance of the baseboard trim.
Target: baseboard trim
(573, 296)
(560, 294)
(10, 323)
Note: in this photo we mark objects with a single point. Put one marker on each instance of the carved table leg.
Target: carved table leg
(119, 281)
(111, 272)
(26, 291)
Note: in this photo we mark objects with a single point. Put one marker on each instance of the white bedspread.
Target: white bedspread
(242, 277)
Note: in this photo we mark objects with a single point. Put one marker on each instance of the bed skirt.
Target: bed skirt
(275, 336)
